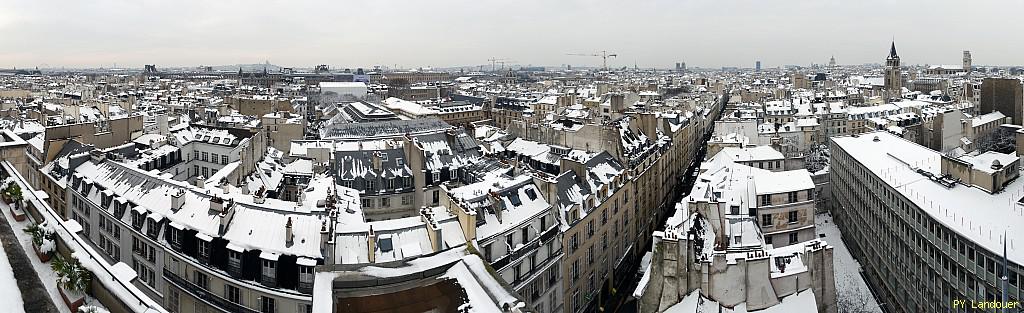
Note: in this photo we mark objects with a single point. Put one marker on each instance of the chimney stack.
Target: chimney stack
(371, 244)
(288, 235)
(177, 200)
(325, 247)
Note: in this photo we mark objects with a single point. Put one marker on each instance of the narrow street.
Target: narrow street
(622, 301)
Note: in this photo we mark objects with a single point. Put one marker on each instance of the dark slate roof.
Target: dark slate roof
(382, 129)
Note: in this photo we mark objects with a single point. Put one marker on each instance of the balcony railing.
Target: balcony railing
(205, 295)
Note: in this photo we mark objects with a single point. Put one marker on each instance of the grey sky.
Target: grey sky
(413, 33)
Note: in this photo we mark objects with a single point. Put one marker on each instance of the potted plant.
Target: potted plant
(42, 240)
(72, 281)
(14, 194)
(6, 194)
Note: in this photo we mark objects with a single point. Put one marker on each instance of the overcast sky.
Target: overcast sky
(415, 33)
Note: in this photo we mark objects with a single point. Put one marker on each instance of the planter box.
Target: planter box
(43, 257)
(73, 300)
(18, 214)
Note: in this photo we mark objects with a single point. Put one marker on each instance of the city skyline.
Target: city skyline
(456, 33)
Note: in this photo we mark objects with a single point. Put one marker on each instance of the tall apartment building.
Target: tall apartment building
(1004, 95)
(518, 232)
(928, 228)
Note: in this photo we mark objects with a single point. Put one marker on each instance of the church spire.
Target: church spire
(892, 51)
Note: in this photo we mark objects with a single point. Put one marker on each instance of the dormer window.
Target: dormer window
(203, 250)
(153, 230)
(234, 261)
(175, 235)
(120, 209)
(137, 220)
(105, 200)
(269, 272)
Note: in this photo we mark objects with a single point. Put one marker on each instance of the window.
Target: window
(268, 305)
(766, 220)
(487, 253)
(577, 301)
(196, 153)
(200, 280)
(214, 157)
(436, 177)
(526, 234)
(385, 202)
(268, 268)
(204, 250)
(552, 277)
(792, 238)
(205, 156)
(437, 197)
(175, 237)
(232, 294)
(766, 200)
(792, 217)
(365, 203)
(575, 271)
(810, 194)
(543, 223)
(768, 240)
(398, 161)
(518, 270)
(224, 159)
(172, 300)
(792, 196)
(590, 255)
(405, 200)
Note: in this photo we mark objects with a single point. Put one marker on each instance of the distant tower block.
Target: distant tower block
(967, 61)
(757, 66)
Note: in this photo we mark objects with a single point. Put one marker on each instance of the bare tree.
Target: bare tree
(1002, 140)
(851, 299)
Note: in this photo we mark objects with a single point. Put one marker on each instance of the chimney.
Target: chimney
(221, 205)
(433, 231)
(177, 200)
(260, 196)
(97, 156)
(325, 247)
(225, 217)
(371, 245)
(288, 235)
(201, 182)
(497, 205)
(377, 162)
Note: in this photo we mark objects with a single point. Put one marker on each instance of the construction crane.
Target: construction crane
(494, 60)
(506, 61)
(604, 57)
